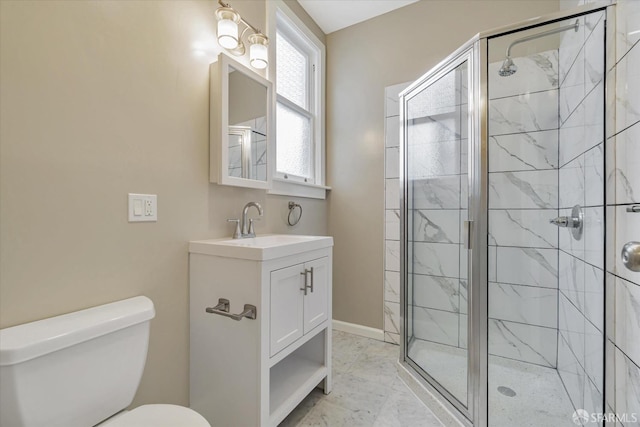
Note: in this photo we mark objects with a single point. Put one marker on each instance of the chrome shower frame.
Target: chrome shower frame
(476, 52)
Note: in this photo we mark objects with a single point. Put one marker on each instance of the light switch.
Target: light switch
(143, 207)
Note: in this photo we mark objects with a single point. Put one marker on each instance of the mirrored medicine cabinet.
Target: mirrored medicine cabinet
(240, 117)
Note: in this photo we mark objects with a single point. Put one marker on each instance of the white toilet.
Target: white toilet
(82, 369)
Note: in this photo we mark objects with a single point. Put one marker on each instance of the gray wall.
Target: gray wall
(361, 61)
(100, 99)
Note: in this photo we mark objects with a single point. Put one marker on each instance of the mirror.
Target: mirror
(240, 124)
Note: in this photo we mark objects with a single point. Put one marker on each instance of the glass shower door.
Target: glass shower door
(436, 122)
(546, 223)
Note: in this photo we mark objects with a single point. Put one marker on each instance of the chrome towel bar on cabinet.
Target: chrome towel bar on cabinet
(222, 309)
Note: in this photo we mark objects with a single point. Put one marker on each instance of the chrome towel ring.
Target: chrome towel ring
(292, 209)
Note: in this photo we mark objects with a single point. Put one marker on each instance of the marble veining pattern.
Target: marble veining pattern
(523, 190)
(527, 266)
(523, 228)
(571, 43)
(594, 296)
(572, 190)
(571, 327)
(436, 193)
(594, 236)
(571, 277)
(627, 318)
(628, 82)
(523, 113)
(435, 325)
(594, 176)
(441, 293)
(436, 226)
(584, 128)
(571, 373)
(526, 343)
(392, 224)
(392, 317)
(523, 304)
(627, 385)
(523, 151)
(392, 255)
(392, 286)
(627, 165)
(435, 259)
(593, 355)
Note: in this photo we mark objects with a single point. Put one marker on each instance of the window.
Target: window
(299, 111)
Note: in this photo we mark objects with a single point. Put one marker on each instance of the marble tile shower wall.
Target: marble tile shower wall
(622, 188)
(523, 196)
(581, 182)
(623, 191)
(258, 151)
(392, 215)
(437, 145)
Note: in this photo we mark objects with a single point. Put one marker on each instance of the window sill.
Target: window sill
(284, 187)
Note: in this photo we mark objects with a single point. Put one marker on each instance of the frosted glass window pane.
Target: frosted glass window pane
(291, 72)
(294, 142)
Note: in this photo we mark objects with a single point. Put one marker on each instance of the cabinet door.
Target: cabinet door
(315, 302)
(286, 318)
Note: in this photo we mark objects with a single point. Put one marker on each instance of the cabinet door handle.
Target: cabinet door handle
(311, 279)
(305, 286)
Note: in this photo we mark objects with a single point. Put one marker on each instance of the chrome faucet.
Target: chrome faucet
(244, 230)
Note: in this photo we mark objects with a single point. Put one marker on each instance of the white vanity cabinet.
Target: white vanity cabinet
(254, 372)
(298, 301)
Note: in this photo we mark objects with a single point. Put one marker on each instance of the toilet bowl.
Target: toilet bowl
(82, 369)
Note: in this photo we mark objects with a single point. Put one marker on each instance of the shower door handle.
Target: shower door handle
(466, 234)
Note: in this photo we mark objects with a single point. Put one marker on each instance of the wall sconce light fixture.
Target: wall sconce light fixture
(228, 21)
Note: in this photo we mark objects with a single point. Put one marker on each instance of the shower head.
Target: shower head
(508, 68)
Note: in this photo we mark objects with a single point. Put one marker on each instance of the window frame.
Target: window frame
(281, 19)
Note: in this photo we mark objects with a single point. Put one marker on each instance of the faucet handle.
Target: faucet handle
(251, 229)
(236, 234)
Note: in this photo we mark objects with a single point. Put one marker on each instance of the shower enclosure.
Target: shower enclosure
(502, 222)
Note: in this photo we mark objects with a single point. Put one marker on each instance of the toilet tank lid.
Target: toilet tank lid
(30, 340)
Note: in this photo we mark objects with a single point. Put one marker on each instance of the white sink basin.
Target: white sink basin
(260, 248)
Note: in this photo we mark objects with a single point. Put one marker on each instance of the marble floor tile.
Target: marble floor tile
(400, 410)
(366, 390)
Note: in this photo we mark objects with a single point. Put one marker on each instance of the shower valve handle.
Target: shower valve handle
(562, 221)
(574, 222)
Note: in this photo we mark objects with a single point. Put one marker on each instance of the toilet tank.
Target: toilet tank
(76, 369)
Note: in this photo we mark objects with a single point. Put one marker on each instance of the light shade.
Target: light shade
(227, 33)
(258, 52)
(227, 27)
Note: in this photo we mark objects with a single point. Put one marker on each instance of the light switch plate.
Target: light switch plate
(143, 207)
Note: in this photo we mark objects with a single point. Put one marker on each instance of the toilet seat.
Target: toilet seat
(158, 415)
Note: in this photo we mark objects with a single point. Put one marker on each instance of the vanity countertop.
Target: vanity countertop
(260, 248)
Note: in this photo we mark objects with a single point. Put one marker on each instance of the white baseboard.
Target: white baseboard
(363, 331)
